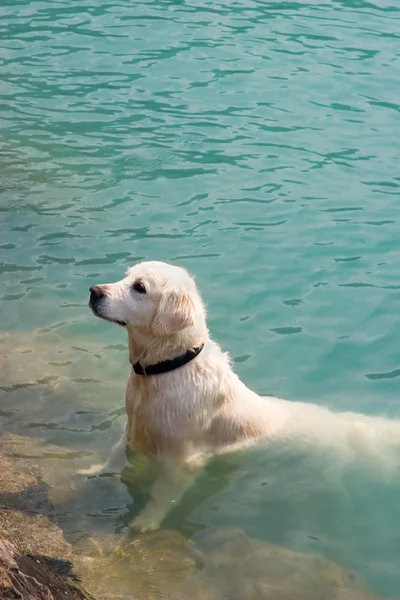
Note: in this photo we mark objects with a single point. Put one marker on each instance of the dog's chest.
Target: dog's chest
(147, 423)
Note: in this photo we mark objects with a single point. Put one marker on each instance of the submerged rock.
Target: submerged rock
(35, 559)
(43, 357)
(151, 566)
(222, 564)
(58, 389)
(250, 569)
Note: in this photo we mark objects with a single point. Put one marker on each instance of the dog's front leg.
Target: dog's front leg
(115, 461)
(172, 481)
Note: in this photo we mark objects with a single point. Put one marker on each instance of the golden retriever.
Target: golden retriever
(184, 403)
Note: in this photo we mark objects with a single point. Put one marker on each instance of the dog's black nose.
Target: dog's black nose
(96, 292)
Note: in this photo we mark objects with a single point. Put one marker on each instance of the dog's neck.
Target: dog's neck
(149, 349)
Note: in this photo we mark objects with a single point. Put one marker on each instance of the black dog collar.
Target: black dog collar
(168, 365)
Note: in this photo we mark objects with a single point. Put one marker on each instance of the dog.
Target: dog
(184, 403)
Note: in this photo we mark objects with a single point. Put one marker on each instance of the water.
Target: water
(255, 143)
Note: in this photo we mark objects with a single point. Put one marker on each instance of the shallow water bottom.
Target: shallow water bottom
(202, 562)
(245, 511)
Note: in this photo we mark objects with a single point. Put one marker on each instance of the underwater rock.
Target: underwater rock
(59, 388)
(47, 361)
(35, 559)
(251, 569)
(150, 566)
(221, 564)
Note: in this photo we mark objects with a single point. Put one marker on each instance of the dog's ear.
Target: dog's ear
(175, 312)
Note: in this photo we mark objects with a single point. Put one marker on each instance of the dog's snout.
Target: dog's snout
(96, 292)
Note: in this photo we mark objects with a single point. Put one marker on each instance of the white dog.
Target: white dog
(183, 401)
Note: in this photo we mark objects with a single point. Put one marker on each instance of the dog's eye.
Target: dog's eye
(139, 287)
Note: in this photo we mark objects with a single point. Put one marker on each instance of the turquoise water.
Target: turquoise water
(255, 143)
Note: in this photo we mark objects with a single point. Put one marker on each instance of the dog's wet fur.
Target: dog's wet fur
(201, 409)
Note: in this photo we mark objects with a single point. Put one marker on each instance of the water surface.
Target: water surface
(255, 143)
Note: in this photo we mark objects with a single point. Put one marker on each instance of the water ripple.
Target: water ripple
(255, 142)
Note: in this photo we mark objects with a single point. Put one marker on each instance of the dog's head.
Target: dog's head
(154, 297)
